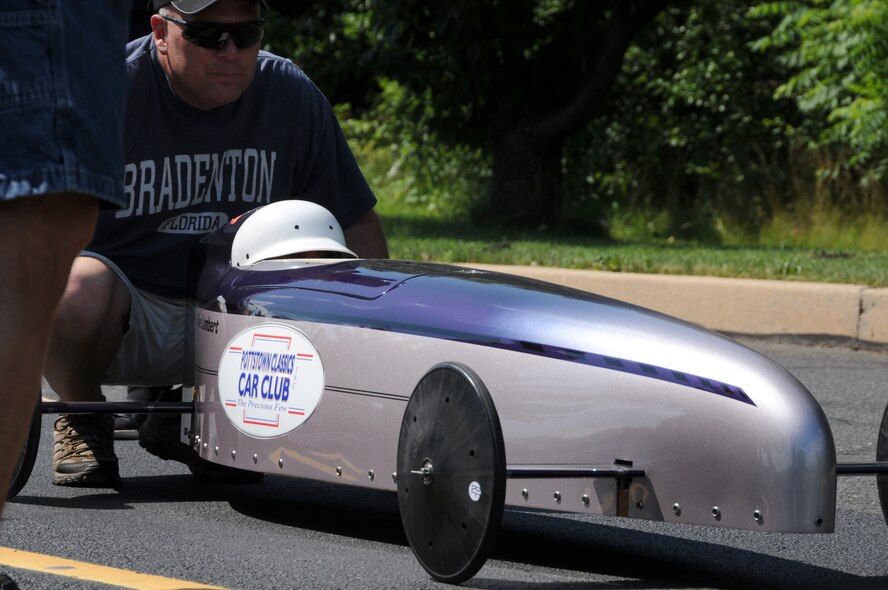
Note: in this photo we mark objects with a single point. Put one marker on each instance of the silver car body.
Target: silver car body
(304, 368)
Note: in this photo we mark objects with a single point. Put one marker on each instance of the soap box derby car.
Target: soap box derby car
(466, 391)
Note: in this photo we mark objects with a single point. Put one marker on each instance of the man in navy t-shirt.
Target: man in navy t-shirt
(214, 128)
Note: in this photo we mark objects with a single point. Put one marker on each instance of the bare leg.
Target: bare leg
(39, 238)
(88, 330)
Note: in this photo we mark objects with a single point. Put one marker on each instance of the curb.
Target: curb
(851, 314)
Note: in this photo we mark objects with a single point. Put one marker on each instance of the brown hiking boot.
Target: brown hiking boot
(83, 452)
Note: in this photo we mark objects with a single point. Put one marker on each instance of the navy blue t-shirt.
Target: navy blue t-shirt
(189, 171)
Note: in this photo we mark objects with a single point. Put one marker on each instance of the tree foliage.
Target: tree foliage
(692, 132)
(838, 50)
(331, 40)
(577, 112)
(515, 78)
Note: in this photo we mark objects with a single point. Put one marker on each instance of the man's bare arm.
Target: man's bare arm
(366, 238)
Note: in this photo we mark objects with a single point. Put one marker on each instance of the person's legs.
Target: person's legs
(39, 238)
(90, 324)
(106, 332)
(61, 136)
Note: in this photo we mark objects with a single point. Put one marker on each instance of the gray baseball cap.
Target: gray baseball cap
(191, 6)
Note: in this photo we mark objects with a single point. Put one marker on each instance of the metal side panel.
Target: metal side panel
(762, 463)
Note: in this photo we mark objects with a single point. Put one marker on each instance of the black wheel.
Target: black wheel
(451, 473)
(28, 455)
(882, 455)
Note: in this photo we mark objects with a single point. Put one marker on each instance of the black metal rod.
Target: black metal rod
(117, 407)
(579, 471)
(862, 468)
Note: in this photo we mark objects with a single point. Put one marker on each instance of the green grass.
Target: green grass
(417, 233)
(424, 220)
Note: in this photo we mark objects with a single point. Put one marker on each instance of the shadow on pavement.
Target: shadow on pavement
(641, 560)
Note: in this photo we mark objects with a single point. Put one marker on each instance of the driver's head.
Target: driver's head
(208, 48)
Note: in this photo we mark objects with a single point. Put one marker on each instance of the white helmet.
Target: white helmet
(284, 228)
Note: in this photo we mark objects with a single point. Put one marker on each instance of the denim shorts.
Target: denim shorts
(62, 95)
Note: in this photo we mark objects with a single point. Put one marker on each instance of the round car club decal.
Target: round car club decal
(270, 380)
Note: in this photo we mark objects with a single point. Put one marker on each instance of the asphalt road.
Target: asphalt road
(286, 533)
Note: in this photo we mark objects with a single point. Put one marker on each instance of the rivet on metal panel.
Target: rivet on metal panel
(216, 450)
(585, 500)
(640, 504)
(339, 471)
(818, 521)
(557, 496)
(233, 455)
(370, 475)
(524, 493)
(255, 458)
(205, 447)
(676, 509)
(757, 515)
(281, 462)
(716, 512)
(394, 478)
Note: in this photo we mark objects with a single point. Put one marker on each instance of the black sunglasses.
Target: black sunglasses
(216, 35)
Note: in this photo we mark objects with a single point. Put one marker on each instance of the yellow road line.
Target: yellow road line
(80, 570)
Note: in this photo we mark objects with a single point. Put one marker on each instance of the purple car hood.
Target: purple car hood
(472, 306)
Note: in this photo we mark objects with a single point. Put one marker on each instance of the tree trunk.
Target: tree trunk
(525, 189)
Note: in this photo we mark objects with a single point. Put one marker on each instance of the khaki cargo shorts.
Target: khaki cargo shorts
(153, 348)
